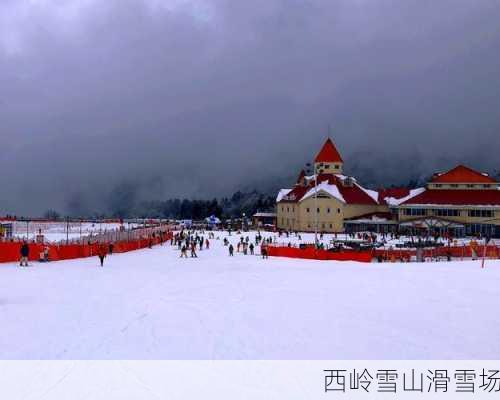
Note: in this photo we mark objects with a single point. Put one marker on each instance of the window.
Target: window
(438, 185)
(288, 209)
(331, 226)
(338, 210)
(317, 210)
(446, 213)
(454, 185)
(486, 185)
(307, 209)
(336, 166)
(327, 166)
(481, 213)
(483, 229)
(470, 185)
(414, 212)
(328, 210)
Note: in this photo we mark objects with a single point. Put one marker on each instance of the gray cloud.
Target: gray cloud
(202, 98)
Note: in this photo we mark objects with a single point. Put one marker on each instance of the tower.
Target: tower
(328, 160)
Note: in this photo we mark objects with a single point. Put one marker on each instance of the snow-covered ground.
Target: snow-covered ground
(150, 304)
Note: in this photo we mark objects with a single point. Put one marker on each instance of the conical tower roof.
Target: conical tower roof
(328, 153)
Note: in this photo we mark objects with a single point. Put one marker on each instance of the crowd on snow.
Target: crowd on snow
(187, 240)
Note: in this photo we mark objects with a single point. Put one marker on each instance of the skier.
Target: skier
(46, 254)
(101, 253)
(263, 251)
(111, 247)
(25, 253)
(207, 244)
(231, 250)
(184, 251)
(251, 247)
(193, 250)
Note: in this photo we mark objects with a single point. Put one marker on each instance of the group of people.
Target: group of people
(190, 241)
(24, 254)
(246, 247)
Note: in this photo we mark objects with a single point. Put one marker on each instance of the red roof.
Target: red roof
(352, 195)
(328, 153)
(462, 174)
(397, 193)
(457, 197)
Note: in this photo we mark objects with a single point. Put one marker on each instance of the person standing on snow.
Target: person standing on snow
(193, 250)
(25, 253)
(184, 251)
(263, 251)
(231, 250)
(251, 248)
(101, 253)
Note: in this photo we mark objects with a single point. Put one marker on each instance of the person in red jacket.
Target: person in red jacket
(102, 252)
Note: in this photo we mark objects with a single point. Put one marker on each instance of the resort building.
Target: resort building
(461, 202)
(466, 200)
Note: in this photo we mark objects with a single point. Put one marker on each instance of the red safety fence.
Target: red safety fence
(311, 253)
(10, 251)
(489, 251)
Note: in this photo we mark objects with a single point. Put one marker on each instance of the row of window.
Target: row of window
(481, 213)
(322, 225)
(335, 166)
(328, 209)
(480, 229)
(467, 185)
(445, 212)
(318, 210)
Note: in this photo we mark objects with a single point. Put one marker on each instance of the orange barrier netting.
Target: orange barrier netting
(10, 251)
(453, 251)
(314, 254)
(309, 252)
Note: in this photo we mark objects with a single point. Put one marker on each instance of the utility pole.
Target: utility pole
(67, 230)
(315, 206)
(315, 177)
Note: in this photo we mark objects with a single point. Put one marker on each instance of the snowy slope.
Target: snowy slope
(150, 304)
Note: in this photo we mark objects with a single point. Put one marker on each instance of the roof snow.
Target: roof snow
(282, 193)
(392, 201)
(331, 190)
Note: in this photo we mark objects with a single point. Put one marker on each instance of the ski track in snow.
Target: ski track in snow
(150, 304)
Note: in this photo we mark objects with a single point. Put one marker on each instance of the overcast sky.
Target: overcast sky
(200, 98)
